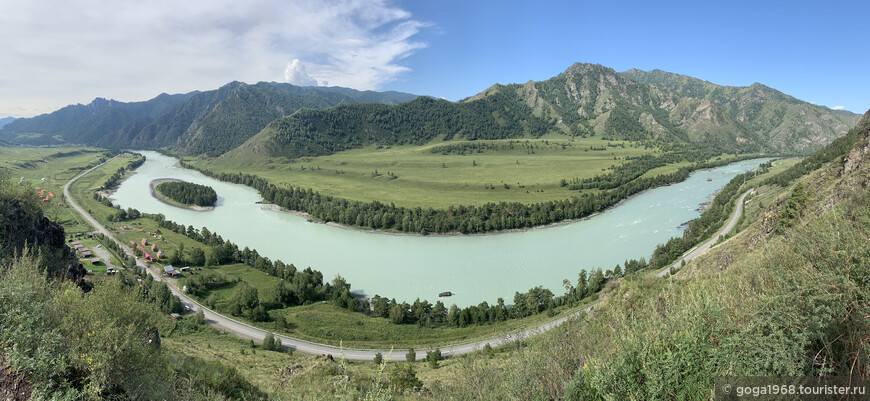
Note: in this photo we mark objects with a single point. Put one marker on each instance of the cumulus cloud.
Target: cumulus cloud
(296, 75)
(58, 52)
(838, 107)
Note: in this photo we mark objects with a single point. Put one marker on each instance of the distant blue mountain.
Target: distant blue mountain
(210, 122)
(6, 120)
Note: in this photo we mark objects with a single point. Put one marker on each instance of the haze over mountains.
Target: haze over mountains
(6, 120)
(198, 122)
(584, 100)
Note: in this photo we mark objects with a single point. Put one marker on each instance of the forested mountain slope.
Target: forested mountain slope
(586, 99)
(211, 122)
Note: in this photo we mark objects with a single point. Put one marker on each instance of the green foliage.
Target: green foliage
(31, 341)
(580, 388)
(269, 342)
(197, 257)
(188, 193)
(434, 357)
(318, 132)
(411, 356)
(793, 208)
(199, 317)
(103, 344)
(115, 179)
(22, 225)
(403, 377)
(379, 359)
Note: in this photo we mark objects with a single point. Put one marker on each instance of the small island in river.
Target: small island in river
(184, 194)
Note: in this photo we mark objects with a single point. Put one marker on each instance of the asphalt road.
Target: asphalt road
(703, 247)
(246, 331)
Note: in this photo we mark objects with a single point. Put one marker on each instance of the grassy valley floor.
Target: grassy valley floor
(444, 174)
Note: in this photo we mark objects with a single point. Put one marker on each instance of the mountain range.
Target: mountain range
(6, 120)
(277, 119)
(586, 99)
(210, 122)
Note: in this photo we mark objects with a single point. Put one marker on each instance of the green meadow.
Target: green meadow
(442, 174)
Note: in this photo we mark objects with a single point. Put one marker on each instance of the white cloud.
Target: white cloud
(296, 75)
(838, 107)
(57, 52)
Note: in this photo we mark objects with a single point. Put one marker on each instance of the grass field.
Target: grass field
(442, 174)
(84, 188)
(50, 169)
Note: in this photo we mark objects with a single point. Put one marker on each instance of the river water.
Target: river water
(475, 268)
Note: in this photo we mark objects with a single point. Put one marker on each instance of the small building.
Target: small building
(95, 261)
(170, 271)
(185, 269)
(87, 254)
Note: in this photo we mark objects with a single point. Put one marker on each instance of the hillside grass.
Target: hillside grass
(757, 203)
(295, 376)
(763, 303)
(532, 170)
(36, 163)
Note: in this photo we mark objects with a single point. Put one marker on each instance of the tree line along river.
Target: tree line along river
(474, 268)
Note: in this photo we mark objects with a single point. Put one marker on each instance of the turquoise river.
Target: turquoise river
(475, 268)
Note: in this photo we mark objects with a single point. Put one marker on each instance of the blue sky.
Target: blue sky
(815, 51)
(59, 53)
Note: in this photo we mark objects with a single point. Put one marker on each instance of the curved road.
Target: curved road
(703, 247)
(246, 331)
